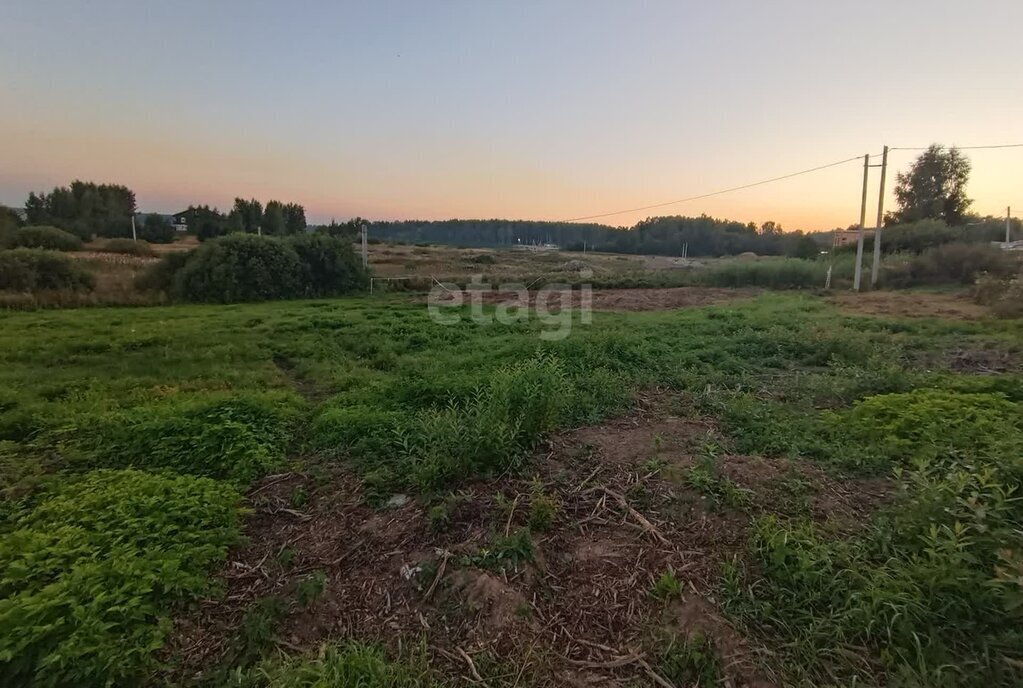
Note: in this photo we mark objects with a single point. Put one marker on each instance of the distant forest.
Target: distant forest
(704, 235)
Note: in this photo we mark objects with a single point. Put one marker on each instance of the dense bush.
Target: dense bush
(788, 273)
(955, 263)
(245, 267)
(88, 576)
(237, 438)
(47, 237)
(160, 276)
(240, 267)
(330, 264)
(31, 269)
(127, 247)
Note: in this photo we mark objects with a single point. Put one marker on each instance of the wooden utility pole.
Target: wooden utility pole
(875, 270)
(365, 245)
(863, 220)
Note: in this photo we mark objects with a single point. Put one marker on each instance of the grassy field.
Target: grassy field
(773, 490)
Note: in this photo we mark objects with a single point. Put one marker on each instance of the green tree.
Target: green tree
(273, 218)
(251, 214)
(934, 188)
(156, 230)
(294, 218)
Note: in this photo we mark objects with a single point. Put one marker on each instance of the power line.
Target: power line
(1001, 145)
(715, 193)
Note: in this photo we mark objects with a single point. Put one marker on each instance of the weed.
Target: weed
(667, 587)
(692, 661)
(286, 557)
(542, 510)
(299, 498)
(258, 629)
(310, 588)
(505, 551)
(351, 664)
(704, 478)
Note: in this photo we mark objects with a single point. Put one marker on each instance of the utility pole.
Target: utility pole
(365, 245)
(134, 237)
(863, 220)
(1008, 221)
(875, 270)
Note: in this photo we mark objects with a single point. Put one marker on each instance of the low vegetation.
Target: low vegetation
(129, 439)
(32, 269)
(49, 238)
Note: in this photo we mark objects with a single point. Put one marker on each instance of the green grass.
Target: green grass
(190, 398)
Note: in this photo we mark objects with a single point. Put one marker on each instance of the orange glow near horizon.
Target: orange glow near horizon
(550, 112)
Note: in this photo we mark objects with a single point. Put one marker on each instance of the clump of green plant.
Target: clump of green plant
(49, 238)
(704, 477)
(258, 629)
(542, 510)
(239, 438)
(440, 514)
(667, 587)
(925, 422)
(505, 551)
(89, 574)
(31, 269)
(299, 497)
(349, 664)
(925, 586)
(691, 661)
(310, 588)
(488, 433)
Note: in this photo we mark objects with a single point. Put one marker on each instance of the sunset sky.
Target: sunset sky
(536, 110)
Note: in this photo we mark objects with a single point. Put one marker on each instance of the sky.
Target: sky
(545, 110)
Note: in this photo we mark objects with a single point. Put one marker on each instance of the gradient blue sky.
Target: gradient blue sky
(542, 110)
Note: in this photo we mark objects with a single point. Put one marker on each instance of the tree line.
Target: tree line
(932, 189)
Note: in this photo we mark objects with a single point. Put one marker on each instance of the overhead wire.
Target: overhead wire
(773, 179)
(715, 193)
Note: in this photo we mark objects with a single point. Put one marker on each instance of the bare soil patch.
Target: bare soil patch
(578, 612)
(910, 304)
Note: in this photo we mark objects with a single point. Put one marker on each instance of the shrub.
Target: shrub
(955, 263)
(88, 576)
(238, 438)
(786, 273)
(243, 267)
(127, 247)
(47, 237)
(1003, 294)
(160, 276)
(30, 269)
(331, 266)
(240, 267)
(157, 230)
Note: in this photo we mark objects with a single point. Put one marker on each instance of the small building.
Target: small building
(177, 220)
(844, 237)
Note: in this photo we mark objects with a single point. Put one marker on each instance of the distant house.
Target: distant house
(842, 237)
(177, 220)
